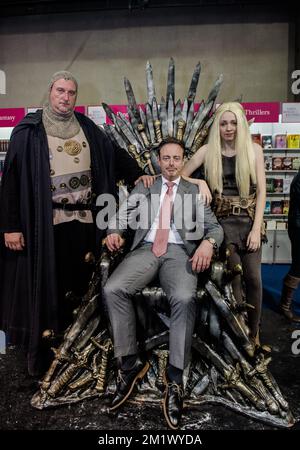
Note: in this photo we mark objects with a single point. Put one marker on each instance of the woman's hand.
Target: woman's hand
(254, 240)
(147, 180)
(204, 192)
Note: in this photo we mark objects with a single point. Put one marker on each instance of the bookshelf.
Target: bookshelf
(281, 165)
(282, 171)
(280, 150)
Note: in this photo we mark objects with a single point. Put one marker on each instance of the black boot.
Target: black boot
(285, 306)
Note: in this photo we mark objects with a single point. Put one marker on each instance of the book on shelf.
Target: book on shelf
(280, 141)
(266, 141)
(287, 163)
(271, 224)
(285, 206)
(281, 162)
(293, 141)
(280, 225)
(268, 162)
(270, 185)
(278, 185)
(267, 207)
(4, 145)
(296, 163)
(256, 137)
(277, 162)
(276, 207)
(287, 184)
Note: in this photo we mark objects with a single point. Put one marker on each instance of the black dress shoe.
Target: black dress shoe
(126, 381)
(173, 403)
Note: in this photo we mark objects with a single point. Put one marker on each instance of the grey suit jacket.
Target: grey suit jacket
(192, 219)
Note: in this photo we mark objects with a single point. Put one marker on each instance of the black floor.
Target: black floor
(16, 390)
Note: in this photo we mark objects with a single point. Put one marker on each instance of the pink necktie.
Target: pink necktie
(160, 243)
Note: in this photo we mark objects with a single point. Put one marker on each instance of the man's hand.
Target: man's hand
(147, 180)
(114, 241)
(202, 256)
(14, 241)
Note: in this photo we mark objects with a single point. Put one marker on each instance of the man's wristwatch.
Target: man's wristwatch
(212, 241)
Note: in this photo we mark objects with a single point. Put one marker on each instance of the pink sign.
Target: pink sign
(262, 112)
(10, 117)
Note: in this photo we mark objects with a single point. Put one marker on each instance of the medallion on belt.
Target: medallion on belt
(84, 180)
(74, 182)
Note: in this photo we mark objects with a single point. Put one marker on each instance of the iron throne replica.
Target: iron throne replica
(225, 368)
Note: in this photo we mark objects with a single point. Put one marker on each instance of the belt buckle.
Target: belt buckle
(236, 210)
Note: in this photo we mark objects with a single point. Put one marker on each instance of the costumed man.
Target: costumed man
(175, 240)
(57, 164)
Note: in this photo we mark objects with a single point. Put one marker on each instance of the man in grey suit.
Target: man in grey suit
(175, 237)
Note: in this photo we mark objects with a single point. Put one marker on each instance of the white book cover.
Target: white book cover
(287, 184)
(271, 224)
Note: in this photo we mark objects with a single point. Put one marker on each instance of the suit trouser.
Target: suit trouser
(178, 281)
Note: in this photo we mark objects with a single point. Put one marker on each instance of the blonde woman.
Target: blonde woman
(234, 171)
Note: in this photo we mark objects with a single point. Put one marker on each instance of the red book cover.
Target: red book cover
(256, 138)
(278, 185)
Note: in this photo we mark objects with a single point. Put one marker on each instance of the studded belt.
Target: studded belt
(75, 206)
(225, 206)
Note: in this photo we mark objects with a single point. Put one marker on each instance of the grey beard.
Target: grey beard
(57, 125)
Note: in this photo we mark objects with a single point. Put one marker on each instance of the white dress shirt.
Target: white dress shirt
(174, 237)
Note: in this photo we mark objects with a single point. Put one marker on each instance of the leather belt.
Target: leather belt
(225, 206)
(75, 206)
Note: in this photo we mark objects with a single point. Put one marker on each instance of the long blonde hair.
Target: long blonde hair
(245, 156)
